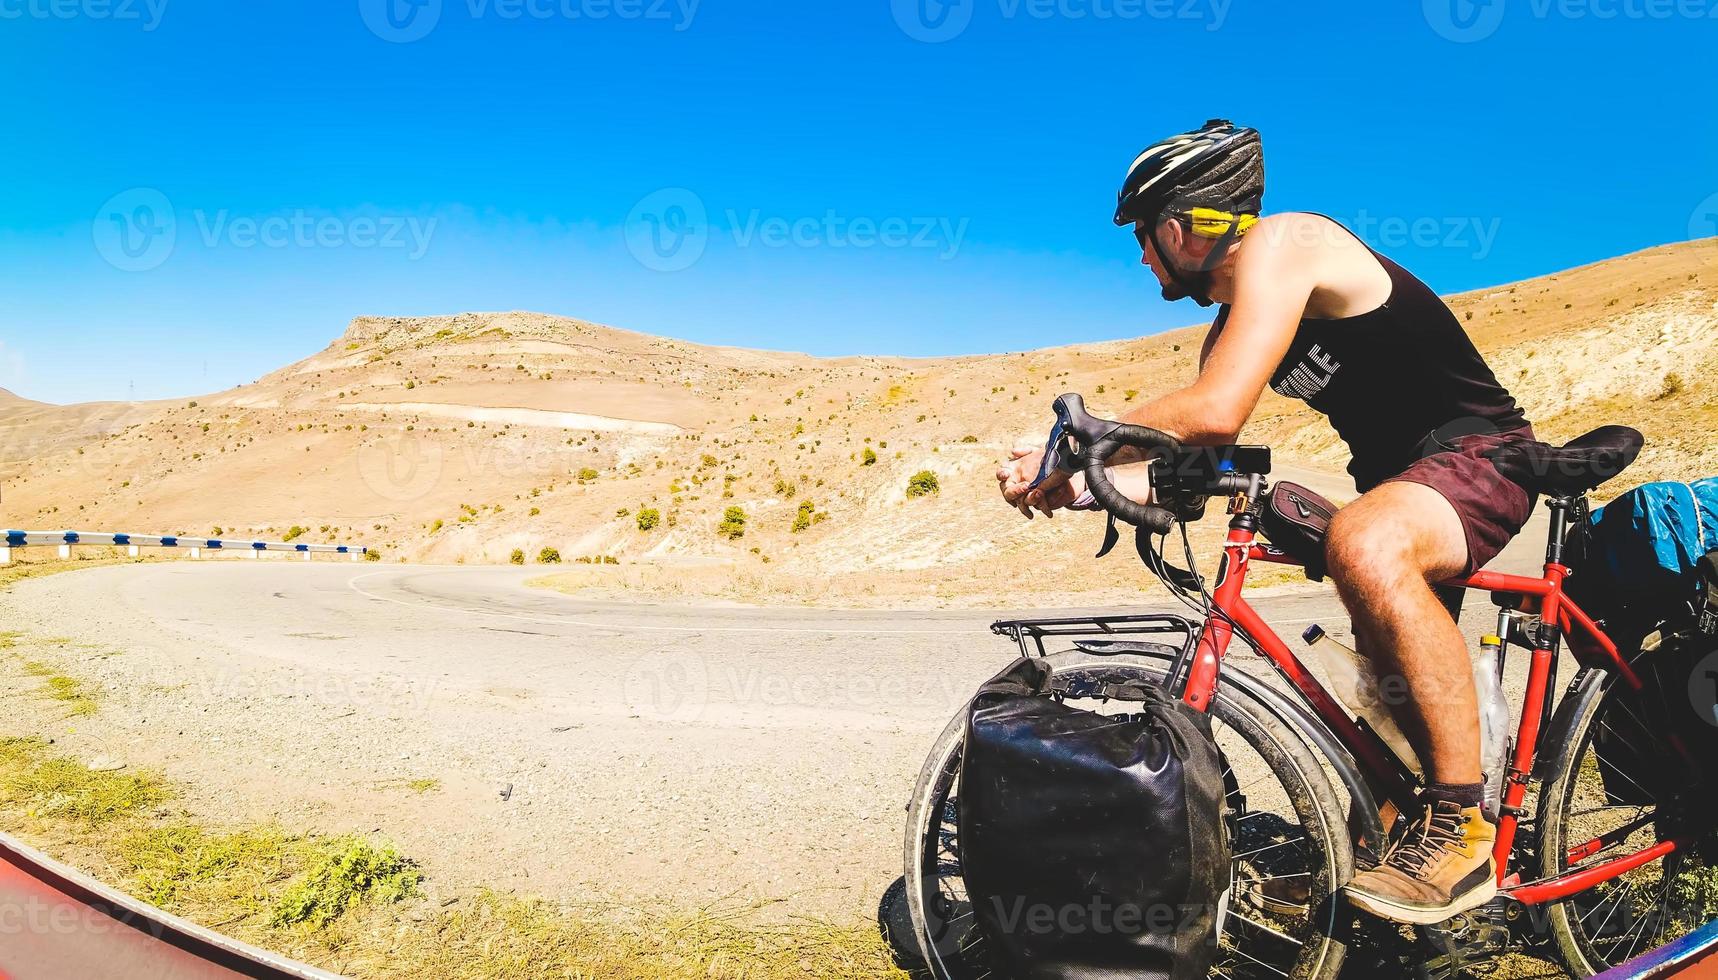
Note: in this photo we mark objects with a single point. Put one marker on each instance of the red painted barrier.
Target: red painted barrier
(58, 924)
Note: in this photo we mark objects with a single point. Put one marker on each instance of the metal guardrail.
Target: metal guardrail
(196, 546)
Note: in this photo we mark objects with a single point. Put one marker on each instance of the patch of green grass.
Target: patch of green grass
(353, 870)
(70, 692)
(181, 867)
(422, 786)
(495, 935)
(67, 789)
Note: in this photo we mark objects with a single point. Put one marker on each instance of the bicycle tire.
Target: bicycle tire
(1574, 942)
(1295, 767)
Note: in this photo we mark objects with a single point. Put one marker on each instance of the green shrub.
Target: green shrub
(517, 557)
(733, 523)
(1672, 386)
(587, 474)
(648, 518)
(294, 532)
(968, 438)
(867, 458)
(372, 555)
(354, 871)
(785, 488)
(922, 484)
(802, 519)
(548, 556)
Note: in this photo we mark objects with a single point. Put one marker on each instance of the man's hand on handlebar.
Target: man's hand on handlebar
(1060, 489)
(1016, 476)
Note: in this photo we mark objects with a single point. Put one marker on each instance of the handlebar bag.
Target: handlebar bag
(1297, 520)
(1092, 846)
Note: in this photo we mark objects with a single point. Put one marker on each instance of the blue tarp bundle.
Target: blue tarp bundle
(1650, 538)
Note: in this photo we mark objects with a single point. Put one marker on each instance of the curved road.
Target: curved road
(654, 753)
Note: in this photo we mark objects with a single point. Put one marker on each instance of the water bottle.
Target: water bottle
(1493, 720)
(1351, 679)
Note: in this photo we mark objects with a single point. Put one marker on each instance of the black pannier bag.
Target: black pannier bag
(1093, 847)
(1674, 650)
(1297, 520)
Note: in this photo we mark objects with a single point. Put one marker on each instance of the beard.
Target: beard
(1175, 291)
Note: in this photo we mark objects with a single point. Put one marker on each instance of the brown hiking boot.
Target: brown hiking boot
(1443, 866)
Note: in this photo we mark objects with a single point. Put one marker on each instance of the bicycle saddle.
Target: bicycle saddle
(1572, 469)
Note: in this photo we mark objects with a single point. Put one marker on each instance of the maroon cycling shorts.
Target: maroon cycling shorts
(1492, 509)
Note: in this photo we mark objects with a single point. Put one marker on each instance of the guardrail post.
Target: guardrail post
(65, 551)
(354, 556)
(255, 553)
(307, 556)
(196, 552)
(133, 550)
(5, 555)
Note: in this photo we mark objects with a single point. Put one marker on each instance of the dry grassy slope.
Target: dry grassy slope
(30, 429)
(477, 420)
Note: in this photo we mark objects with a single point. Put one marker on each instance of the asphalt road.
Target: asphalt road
(581, 749)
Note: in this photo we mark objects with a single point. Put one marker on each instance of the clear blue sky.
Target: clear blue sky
(857, 176)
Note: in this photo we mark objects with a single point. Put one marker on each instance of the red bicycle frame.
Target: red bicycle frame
(1377, 763)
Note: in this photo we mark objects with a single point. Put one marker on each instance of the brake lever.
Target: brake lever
(1059, 455)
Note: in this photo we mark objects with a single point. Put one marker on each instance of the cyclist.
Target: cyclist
(1313, 312)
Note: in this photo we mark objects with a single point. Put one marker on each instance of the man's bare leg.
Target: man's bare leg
(1385, 552)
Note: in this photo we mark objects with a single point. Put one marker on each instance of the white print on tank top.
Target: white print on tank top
(1309, 377)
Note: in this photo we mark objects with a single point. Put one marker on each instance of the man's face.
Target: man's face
(1149, 256)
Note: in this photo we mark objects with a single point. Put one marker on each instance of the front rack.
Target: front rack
(1099, 627)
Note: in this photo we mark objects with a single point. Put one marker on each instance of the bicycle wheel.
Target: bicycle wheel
(1617, 789)
(1287, 830)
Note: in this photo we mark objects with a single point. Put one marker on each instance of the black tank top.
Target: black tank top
(1397, 383)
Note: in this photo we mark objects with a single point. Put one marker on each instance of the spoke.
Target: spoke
(1269, 847)
(1614, 768)
(1292, 874)
(1628, 888)
(1242, 791)
(1255, 959)
(1256, 924)
(1258, 813)
(1292, 905)
(1637, 808)
(1644, 919)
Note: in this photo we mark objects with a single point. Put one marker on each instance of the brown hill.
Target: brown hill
(465, 438)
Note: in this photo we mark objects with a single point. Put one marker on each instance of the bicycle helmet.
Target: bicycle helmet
(1213, 176)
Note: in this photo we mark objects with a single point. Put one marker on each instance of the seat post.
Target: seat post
(1559, 507)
